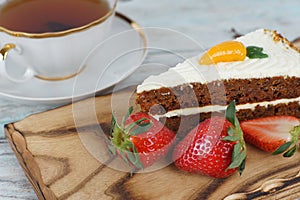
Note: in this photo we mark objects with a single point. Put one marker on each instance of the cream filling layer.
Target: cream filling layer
(217, 108)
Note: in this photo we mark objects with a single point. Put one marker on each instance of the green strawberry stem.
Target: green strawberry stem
(235, 134)
(289, 148)
(120, 138)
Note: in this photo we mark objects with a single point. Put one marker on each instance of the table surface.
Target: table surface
(206, 22)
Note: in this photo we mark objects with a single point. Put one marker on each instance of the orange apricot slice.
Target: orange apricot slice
(224, 52)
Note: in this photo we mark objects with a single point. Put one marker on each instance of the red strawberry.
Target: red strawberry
(271, 133)
(140, 140)
(215, 147)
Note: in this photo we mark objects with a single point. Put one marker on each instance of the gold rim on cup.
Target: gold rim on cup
(133, 24)
(61, 33)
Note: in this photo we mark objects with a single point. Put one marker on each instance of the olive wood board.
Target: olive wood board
(50, 148)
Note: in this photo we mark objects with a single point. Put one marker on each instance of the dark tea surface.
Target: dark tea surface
(40, 16)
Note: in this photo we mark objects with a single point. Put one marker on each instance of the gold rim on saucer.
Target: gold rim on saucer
(59, 78)
(136, 27)
(61, 33)
(132, 23)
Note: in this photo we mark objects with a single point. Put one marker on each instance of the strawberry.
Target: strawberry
(140, 140)
(275, 134)
(215, 147)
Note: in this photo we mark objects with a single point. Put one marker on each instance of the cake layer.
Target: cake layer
(183, 124)
(243, 91)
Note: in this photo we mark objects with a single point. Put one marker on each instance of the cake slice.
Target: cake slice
(190, 92)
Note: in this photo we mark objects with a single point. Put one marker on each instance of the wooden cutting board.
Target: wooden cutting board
(58, 151)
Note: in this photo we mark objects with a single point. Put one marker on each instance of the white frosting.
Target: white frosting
(216, 108)
(282, 61)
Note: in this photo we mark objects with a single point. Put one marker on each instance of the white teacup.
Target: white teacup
(50, 55)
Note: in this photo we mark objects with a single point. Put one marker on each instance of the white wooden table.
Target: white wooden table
(208, 22)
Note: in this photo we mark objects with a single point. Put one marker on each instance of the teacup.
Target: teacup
(50, 39)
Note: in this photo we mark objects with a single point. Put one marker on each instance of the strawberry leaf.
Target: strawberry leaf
(238, 156)
(134, 159)
(141, 128)
(282, 148)
(295, 132)
(242, 167)
(235, 134)
(142, 125)
(112, 149)
(116, 135)
(230, 138)
(133, 124)
(130, 109)
(237, 150)
(286, 146)
(290, 152)
(123, 156)
(238, 160)
(112, 124)
(138, 162)
(231, 131)
(230, 113)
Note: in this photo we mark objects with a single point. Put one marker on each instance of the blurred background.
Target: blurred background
(210, 22)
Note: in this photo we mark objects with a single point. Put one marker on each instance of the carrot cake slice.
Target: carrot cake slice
(260, 71)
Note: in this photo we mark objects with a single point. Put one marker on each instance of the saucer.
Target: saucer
(108, 63)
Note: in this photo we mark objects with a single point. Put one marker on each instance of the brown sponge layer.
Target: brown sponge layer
(243, 91)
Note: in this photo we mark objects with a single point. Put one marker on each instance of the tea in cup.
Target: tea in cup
(49, 39)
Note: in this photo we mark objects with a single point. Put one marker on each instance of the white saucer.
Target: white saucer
(109, 63)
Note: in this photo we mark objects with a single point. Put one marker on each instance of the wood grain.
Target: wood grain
(51, 148)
